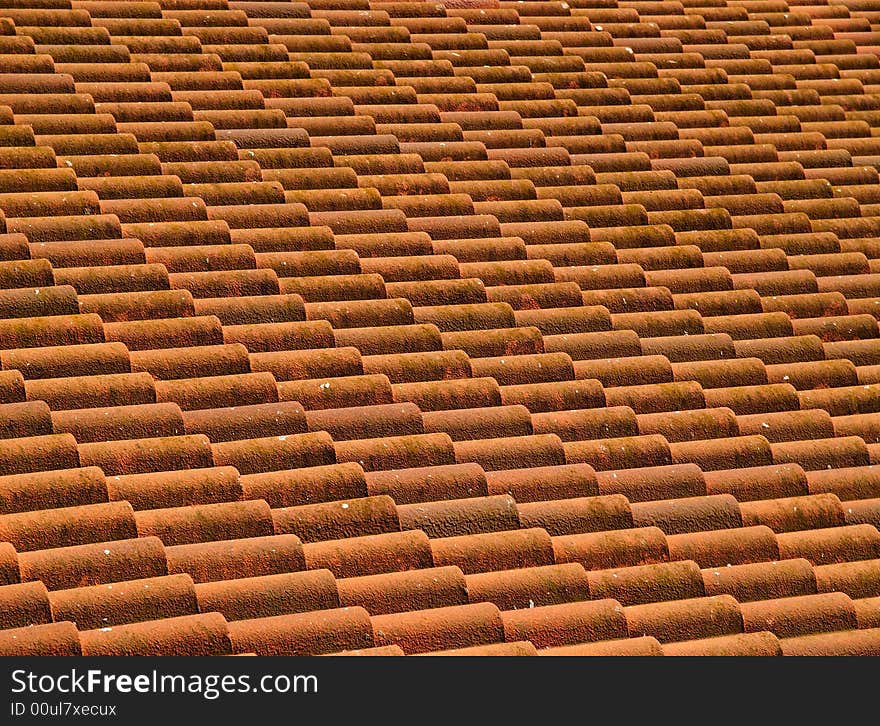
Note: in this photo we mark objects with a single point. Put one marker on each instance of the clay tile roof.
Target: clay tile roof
(475, 329)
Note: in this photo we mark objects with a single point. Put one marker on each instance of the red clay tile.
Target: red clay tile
(709, 349)
(796, 616)
(187, 635)
(726, 546)
(566, 624)
(268, 595)
(859, 642)
(92, 564)
(404, 591)
(24, 605)
(442, 628)
(686, 619)
(371, 554)
(759, 644)
(828, 546)
(102, 606)
(233, 559)
(60, 638)
(762, 581)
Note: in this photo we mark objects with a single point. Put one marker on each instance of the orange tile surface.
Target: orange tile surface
(468, 327)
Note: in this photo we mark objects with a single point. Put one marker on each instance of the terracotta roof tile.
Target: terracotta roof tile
(268, 595)
(25, 604)
(102, 606)
(92, 564)
(262, 262)
(762, 581)
(686, 619)
(761, 643)
(60, 638)
(404, 591)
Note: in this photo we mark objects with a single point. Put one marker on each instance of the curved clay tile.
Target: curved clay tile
(183, 488)
(654, 483)
(39, 453)
(472, 423)
(247, 421)
(537, 450)
(444, 395)
(133, 456)
(686, 619)
(797, 616)
(398, 452)
(138, 305)
(826, 453)
(52, 489)
(544, 482)
(620, 453)
(101, 606)
(427, 484)
(436, 587)
(857, 642)
(92, 564)
(150, 420)
(856, 579)
(269, 595)
(268, 337)
(51, 639)
(715, 454)
(206, 522)
(723, 547)
(692, 514)
(759, 644)
(754, 400)
(651, 402)
(230, 559)
(555, 396)
(226, 283)
(604, 550)
(816, 511)
(12, 386)
(148, 335)
(441, 628)
(644, 646)
(355, 314)
(633, 374)
(192, 361)
(829, 546)
(371, 554)
(566, 624)
(218, 391)
(337, 520)
(529, 587)
(25, 604)
(10, 572)
(762, 482)
(473, 515)
(847, 483)
(252, 309)
(494, 343)
(648, 583)
(274, 453)
(381, 341)
(577, 425)
(449, 318)
(205, 634)
(44, 529)
(31, 418)
(762, 580)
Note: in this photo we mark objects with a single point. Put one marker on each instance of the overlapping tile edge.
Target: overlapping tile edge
(465, 327)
